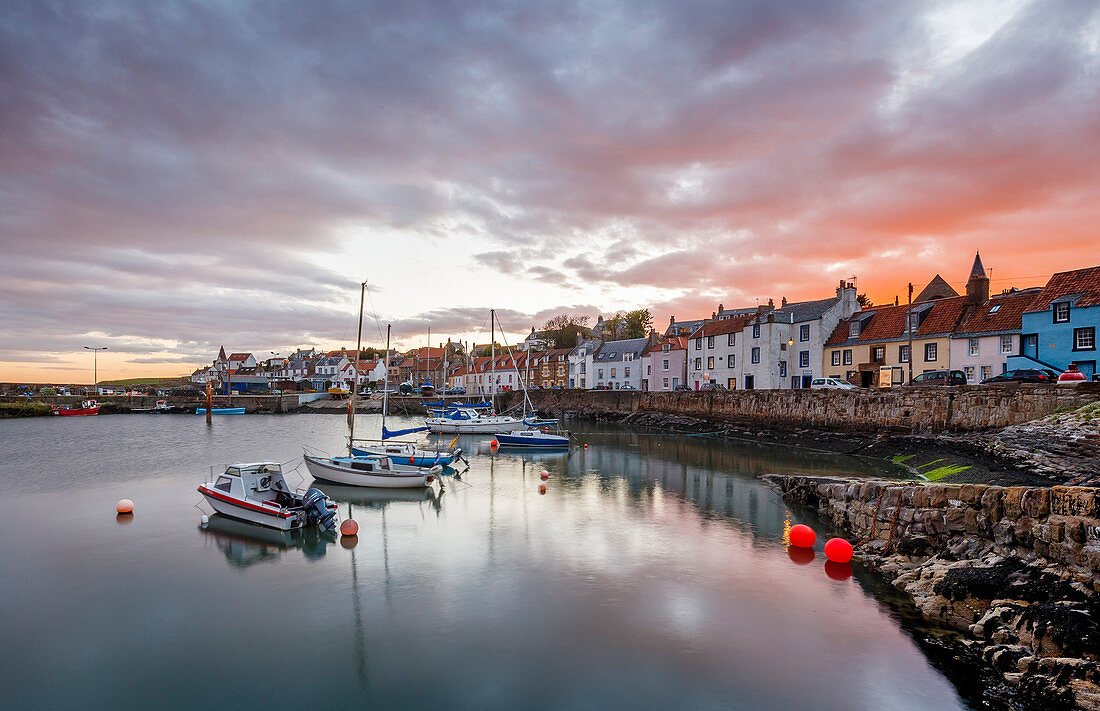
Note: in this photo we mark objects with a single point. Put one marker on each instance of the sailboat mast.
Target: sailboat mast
(355, 373)
(492, 360)
(386, 383)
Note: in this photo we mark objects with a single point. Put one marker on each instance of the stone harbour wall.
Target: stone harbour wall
(1015, 569)
(911, 410)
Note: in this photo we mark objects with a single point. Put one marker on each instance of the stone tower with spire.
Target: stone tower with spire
(977, 286)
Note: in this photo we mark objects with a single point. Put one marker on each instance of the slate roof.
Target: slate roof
(936, 289)
(1001, 314)
(590, 346)
(329, 360)
(1080, 287)
(612, 351)
(797, 312)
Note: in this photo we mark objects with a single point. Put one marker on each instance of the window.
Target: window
(582, 368)
(648, 370)
(665, 384)
(1061, 312)
(903, 354)
(836, 357)
(853, 329)
(782, 368)
(699, 343)
(599, 373)
(626, 371)
(995, 309)
(628, 356)
(930, 352)
(732, 340)
(612, 372)
(974, 345)
(710, 341)
(847, 356)
(1084, 339)
(1006, 344)
(666, 347)
(756, 330)
(804, 333)
(878, 354)
(987, 371)
(731, 383)
(698, 363)
(710, 363)
(969, 370)
(803, 359)
(732, 361)
(664, 364)
(755, 355)
(223, 483)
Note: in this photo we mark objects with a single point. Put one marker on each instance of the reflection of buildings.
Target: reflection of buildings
(245, 544)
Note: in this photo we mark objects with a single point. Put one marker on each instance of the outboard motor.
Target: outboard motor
(317, 510)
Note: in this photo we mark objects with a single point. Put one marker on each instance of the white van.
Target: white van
(831, 384)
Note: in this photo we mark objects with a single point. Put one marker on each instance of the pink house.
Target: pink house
(664, 365)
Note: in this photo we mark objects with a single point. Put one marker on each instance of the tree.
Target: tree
(561, 330)
(862, 300)
(630, 324)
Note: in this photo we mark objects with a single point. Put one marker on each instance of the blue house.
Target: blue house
(1059, 327)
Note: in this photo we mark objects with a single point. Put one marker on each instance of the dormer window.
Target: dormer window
(1061, 312)
(665, 347)
(853, 329)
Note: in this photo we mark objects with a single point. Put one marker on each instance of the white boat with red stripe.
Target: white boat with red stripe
(258, 493)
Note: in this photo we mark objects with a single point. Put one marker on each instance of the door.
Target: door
(750, 382)
(1088, 367)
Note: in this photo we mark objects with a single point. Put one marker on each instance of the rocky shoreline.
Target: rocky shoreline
(1013, 570)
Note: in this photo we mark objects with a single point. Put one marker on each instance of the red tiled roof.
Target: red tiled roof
(1079, 281)
(840, 333)
(944, 317)
(239, 356)
(888, 322)
(720, 328)
(1007, 317)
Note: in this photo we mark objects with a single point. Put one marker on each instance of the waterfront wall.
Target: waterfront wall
(1059, 523)
(899, 410)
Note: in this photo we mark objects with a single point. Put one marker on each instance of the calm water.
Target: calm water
(650, 575)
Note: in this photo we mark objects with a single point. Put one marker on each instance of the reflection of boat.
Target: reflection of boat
(87, 407)
(220, 410)
(162, 407)
(377, 498)
(258, 493)
(374, 471)
(245, 544)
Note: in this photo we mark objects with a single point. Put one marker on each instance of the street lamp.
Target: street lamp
(273, 391)
(95, 372)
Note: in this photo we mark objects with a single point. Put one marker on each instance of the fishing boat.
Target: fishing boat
(373, 471)
(161, 408)
(258, 493)
(87, 407)
(220, 410)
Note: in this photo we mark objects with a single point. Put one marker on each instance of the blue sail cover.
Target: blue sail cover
(386, 434)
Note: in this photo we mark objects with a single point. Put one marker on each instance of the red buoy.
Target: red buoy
(124, 506)
(349, 527)
(412, 460)
(493, 444)
(544, 475)
(802, 536)
(800, 556)
(838, 550)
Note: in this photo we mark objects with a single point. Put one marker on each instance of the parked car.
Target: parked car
(628, 387)
(831, 384)
(602, 387)
(712, 386)
(1024, 375)
(682, 389)
(459, 390)
(939, 377)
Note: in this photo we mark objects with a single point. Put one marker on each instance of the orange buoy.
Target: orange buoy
(802, 536)
(493, 444)
(124, 506)
(838, 571)
(838, 550)
(586, 445)
(542, 489)
(412, 460)
(544, 475)
(800, 556)
(349, 527)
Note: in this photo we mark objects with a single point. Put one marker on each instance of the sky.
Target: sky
(178, 176)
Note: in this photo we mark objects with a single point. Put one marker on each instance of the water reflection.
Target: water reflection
(245, 544)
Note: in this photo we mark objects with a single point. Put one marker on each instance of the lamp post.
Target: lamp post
(273, 390)
(95, 367)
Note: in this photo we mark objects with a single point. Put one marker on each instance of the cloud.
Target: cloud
(179, 177)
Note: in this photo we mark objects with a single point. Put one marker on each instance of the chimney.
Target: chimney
(896, 300)
(579, 339)
(721, 308)
(671, 320)
(784, 302)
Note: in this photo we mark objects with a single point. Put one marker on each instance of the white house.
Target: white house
(580, 364)
(618, 364)
(715, 353)
(982, 343)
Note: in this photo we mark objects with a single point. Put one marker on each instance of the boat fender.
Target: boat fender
(317, 511)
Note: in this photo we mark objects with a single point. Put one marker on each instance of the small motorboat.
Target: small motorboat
(220, 410)
(373, 470)
(87, 407)
(469, 420)
(258, 493)
(532, 438)
(161, 408)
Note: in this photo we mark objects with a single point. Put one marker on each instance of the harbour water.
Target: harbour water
(651, 574)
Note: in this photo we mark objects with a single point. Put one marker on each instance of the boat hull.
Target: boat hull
(321, 469)
(541, 441)
(445, 426)
(81, 412)
(253, 513)
(416, 458)
(220, 411)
